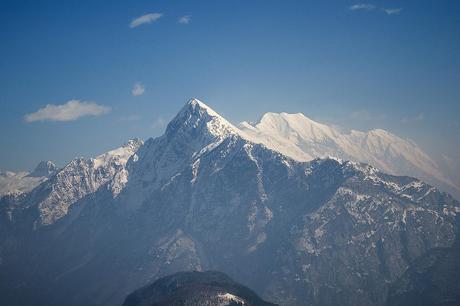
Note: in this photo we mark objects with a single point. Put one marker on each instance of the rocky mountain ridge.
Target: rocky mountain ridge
(205, 197)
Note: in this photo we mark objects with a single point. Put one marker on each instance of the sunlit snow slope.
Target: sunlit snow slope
(303, 139)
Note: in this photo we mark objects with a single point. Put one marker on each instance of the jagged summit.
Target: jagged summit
(44, 168)
(195, 103)
(196, 117)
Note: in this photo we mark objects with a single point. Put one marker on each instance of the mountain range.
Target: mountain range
(303, 139)
(252, 201)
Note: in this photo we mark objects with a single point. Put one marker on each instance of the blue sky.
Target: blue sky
(379, 64)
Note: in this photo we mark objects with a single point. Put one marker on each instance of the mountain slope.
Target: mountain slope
(303, 139)
(194, 288)
(431, 280)
(79, 178)
(23, 182)
(205, 197)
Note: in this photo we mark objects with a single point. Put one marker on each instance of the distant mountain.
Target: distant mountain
(44, 168)
(195, 288)
(303, 139)
(78, 179)
(204, 196)
(20, 182)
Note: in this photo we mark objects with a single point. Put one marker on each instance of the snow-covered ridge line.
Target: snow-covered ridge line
(304, 139)
(81, 177)
(197, 130)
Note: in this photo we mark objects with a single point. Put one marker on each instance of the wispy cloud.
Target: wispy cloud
(392, 11)
(362, 6)
(418, 117)
(159, 123)
(70, 111)
(372, 7)
(148, 18)
(366, 115)
(185, 19)
(138, 89)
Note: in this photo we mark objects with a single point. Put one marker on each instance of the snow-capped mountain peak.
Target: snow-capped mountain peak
(291, 130)
(44, 168)
(197, 116)
(304, 139)
(24, 181)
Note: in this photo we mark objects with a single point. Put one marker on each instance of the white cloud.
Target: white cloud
(72, 110)
(392, 11)
(148, 18)
(185, 19)
(138, 90)
(363, 6)
(372, 7)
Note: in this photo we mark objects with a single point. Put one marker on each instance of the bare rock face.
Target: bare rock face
(195, 288)
(205, 197)
(432, 279)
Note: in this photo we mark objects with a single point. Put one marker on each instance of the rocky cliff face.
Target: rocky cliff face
(204, 196)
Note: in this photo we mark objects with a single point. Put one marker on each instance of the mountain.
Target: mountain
(432, 280)
(80, 178)
(23, 182)
(204, 196)
(303, 139)
(44, 168)
(195, 288)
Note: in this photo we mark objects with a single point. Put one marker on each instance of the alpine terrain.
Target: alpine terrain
(19, 182)
(207, 195)
(303, 139)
